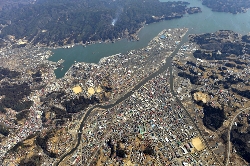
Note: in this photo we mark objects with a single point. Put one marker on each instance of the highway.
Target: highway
(229, 133)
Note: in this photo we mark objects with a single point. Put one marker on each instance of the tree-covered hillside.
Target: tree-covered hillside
(230, 6)
(57, 22)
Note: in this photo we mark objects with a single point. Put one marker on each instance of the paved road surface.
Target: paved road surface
(229, 131)
(162, 69)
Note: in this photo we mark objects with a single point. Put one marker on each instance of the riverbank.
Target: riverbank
(120, 72)
(122, 98)
(205, 22)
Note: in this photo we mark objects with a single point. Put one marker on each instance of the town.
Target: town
(215, 90)
(135, 108)
(85, 84)
(149, 127)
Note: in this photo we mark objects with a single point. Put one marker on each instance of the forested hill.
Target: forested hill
(59, 22)
(230, 6)
(8, 4)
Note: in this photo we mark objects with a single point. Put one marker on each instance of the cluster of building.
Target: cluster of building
(27, 61)
(31, 124)
(118, 72)
(122, 71)
(216, 80)
(23, 59)
(149, 127)
(222, 84)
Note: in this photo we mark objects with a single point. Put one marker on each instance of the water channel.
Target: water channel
(205, 22)
(212, 21)
(167, 65)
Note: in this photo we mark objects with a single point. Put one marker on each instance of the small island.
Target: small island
(193, 10)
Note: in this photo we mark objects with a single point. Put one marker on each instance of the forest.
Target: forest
(240, 141)
(42, 142)
(4, 130)
(4, 72)
(33, 161)
(76, 105)
(193, 79)
(59, 22)
(13, 95)
(213, 117)
(226, 50)
(243, 93)
(214, 48)
(230, 6)
(8, 4)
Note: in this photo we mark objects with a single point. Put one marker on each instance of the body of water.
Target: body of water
(205, 22)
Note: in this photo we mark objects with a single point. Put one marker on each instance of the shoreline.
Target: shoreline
(123, 96)
(134, 37)
(130, 37)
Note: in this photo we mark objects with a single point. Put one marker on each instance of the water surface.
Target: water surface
(205, 22)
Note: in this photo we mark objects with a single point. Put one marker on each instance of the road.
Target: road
(167, 65)
(229, 131)
(190, 117)
(124, 97)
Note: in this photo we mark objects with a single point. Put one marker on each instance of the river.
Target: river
(167, 65)
(205, 22)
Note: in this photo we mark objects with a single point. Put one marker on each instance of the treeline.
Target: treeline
(4, 130)
(243, 93)
(213, 117)
(4, 72)
(230, 6)
(62, 21)
(13, 95)
(215, 47)
(194, 79)
(241, 142)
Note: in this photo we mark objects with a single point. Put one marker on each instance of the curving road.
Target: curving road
(167, 65)
(229, 134)
(124, 97)
(190, 117)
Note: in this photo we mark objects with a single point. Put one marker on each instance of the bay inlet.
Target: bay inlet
(205, 22)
